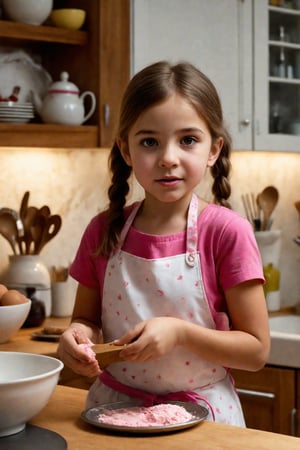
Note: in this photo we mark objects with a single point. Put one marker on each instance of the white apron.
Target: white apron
(136, 289)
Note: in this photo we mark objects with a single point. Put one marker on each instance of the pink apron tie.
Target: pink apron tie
(152, 399)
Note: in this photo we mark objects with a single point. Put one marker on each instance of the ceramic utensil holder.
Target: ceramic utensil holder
(269, 244)
(26, 271)
(63, 297)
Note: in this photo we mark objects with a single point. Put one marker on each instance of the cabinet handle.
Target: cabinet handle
(260, 394)
(106, 115)
(245, 122)
(293, 422)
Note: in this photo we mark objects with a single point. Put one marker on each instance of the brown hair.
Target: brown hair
(151, 85)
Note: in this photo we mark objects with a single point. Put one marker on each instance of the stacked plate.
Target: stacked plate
(16, 112)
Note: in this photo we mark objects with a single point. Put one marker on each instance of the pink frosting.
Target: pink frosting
(157, 415)
(88, 350)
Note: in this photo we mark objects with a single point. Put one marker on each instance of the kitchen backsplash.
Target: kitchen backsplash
(74, 184)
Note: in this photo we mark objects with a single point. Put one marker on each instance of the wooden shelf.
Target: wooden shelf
(34, 33)
(97, 59)
(52, 136)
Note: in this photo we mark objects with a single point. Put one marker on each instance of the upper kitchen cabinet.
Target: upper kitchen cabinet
(216, 36)
(97, 58)
(239, 44)
(277, 75)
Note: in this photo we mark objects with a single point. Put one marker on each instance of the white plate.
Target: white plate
(15, 119)
(14, 109)
(13, 105)
(91, 416)
(16, 115)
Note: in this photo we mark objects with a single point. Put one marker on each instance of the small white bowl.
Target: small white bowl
(12, 318)
(27, 382)
(33, 12)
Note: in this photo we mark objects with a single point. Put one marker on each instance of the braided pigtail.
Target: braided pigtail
(220, 171)
(117, 193)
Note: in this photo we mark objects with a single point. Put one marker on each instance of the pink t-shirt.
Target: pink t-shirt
(226, 244)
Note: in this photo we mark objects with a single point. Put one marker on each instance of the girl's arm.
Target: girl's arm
(84, 329)
(246, 346)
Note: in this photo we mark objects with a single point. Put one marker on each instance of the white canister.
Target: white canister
(269, 244)
(26, 271)
(63, 297)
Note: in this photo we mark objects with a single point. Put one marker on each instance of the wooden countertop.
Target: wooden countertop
(23, 342)
(62, 415)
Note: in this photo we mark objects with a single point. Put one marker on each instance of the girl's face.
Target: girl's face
(169, 148)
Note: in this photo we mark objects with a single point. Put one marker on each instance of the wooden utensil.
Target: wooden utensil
(24, 205)
(268, 199)
(297, 206)
(107, 353)
(51, 228)
(28, 221)
(9, 230)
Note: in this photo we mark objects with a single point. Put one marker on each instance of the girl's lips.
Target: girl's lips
(169, 181)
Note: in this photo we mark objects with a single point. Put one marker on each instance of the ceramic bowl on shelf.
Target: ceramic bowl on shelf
(27, 382)
(69, 18)
(12, 318)
(28, 11)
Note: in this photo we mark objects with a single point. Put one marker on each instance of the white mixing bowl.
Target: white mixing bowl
(33, 12)
(12, 318)
(27, 382)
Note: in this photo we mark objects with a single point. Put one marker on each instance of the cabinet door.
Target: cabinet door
(268, 398)
(215, 36)
(114, 49)
(276, 77)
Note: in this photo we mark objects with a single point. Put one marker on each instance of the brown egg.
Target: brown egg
(12, 297)
(3, 289)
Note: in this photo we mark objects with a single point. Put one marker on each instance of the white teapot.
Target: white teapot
(63, 104)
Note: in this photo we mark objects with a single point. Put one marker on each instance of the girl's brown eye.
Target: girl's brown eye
(149, 142)
(188, 140)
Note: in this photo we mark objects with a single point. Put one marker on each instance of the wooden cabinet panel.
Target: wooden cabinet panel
(268, 398)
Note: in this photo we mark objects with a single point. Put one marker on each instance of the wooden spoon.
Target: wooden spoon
(51, 228)
(107, 353)
(24, 205)
(28, 222)
(9, 229)
(268, 199)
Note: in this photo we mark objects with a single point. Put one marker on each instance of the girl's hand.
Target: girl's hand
(150, 339)
(75, 356)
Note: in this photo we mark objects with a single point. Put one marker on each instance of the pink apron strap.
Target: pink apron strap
(152, 399)
(192, 232)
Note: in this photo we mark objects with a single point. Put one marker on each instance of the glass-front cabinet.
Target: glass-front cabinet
(277, 75)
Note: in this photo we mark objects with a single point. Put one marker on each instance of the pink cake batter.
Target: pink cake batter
(157, 415)
(88, 349)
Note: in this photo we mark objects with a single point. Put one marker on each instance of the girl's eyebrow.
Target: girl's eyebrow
(183, 130)
(145, 132)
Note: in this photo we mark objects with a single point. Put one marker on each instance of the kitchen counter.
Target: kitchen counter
(23, 342)
(62, 415)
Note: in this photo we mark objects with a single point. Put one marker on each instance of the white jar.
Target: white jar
(26, 271)
(269, 244)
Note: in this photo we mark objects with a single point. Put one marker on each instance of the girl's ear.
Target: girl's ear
(123, 147)
(215, 151)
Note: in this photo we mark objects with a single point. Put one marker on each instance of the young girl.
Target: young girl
(176, 279)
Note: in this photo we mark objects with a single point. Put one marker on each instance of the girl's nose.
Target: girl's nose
(168, 157)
